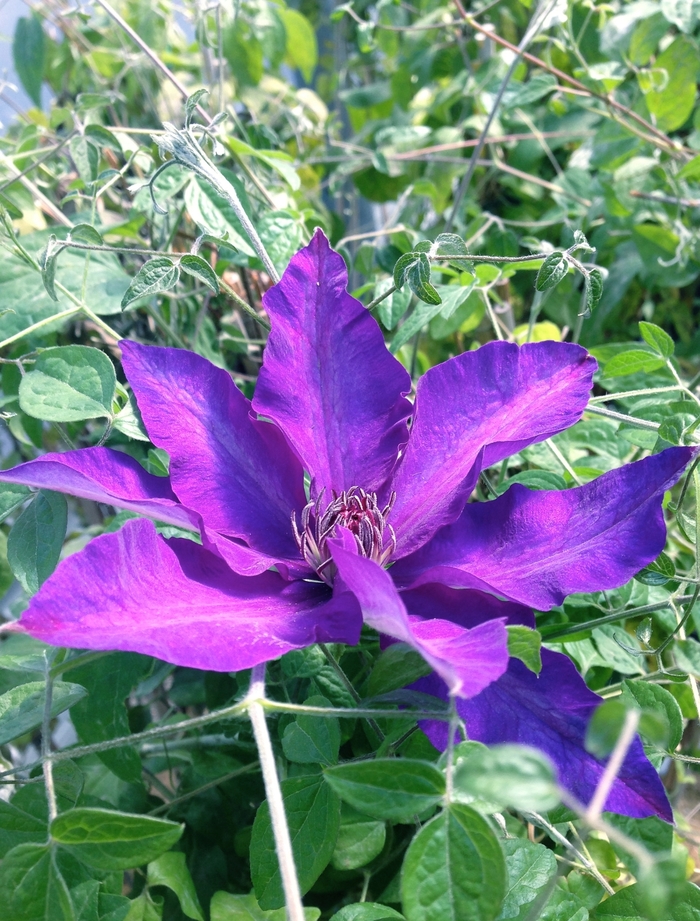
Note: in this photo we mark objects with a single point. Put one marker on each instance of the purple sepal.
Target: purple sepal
(473, 411)
(105, 476)
(467, 660)
(237, 472)
(537, 547)
(551, 712)
(133, 590)
(328, 380)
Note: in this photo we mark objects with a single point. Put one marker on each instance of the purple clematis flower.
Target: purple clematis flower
(385, 533)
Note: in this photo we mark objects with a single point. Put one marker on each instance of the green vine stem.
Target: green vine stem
(280, 829)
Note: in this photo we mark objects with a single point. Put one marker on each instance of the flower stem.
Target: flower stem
(612, 768)
(46, 763)
(280, 829)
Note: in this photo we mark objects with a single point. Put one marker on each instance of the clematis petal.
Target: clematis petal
(133, 590)
(106, 476)
(551, 712)
(538, 547)
(473, 411)
(467, 660)
(237, 472)
(327, 379)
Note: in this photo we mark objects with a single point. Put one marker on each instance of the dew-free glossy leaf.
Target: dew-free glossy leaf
(214, 214)
(35, 541)
(397, 666)
(33, 886)
(313, 816)
(69, 383)
(360, 840)
(367, 911)
(454, 870)
(672, 103)
(394, 789)
(508, 775)
(29, 54)
(525, 644)
(657, 338)
(86, 233)
(648, 696)
(632, 362)
(158, 274)
(228, 907)
(171, 870)
(551, 272)
(312, 739)
(86, 157)
(113, 840)
(102, 715)
(301, 41)
(11, 497)
(201, 270)
(530, 867)
(22, 708)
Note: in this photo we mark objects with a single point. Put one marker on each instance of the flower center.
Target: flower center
(354, 509)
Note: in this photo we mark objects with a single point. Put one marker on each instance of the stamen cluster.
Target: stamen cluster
(354, 509)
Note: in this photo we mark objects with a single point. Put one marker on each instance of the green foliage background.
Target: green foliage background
(499, 171)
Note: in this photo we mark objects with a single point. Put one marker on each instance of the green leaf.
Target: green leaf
(69, 383)
(86, 233)
(630, 904)
(159, 274)
(593, 288)
(214, 214)
(659, 572)
(100, 137)
(102, 715)
(450, 244)
(86, 158)
(302, 50)
(33, 886)
(454, 870)
(652, 697)
(312, 739)
(113, 840)
(393, 307)
(508, 775)
(192, 102)
(228, 907)
(17, 826)
(691, 170)
(128, 421)
(418, 278)
(526, 93)
(682, 13)
(687, 656)
(605, 726)
(12, 496)
(632, 361)
(367, 911)
(394, 789)
(25, 291)
(530, 868)
(551, 272)
(36, 538)
(524, 644)
(402, 266)
(646, 36)
(47, 264)
(659, 340)
(672, 104)
(313, 816)
(22, 708)
(171, 870)
(397, 666)
(360, 840)
(29, 56)
(420, 317)
(200, 269)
